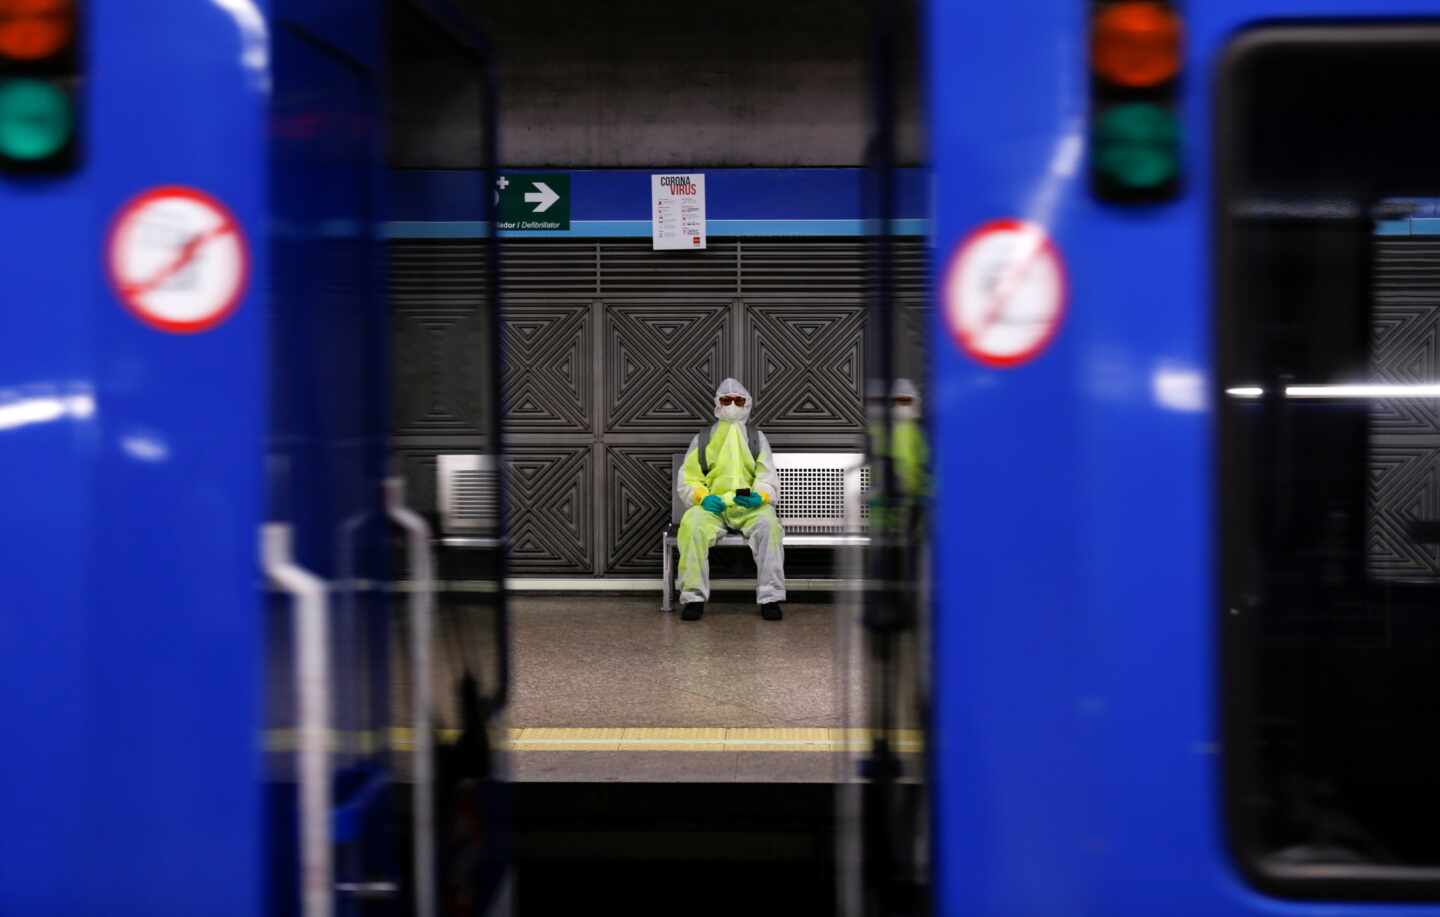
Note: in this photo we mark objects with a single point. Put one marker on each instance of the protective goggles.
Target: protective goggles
(737, 400)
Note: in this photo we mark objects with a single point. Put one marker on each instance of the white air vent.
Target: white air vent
(811, 493)
(820, 492)
(474, 496)
(469, 493)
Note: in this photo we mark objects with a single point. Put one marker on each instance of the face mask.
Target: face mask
(730, 412)
(905, 412)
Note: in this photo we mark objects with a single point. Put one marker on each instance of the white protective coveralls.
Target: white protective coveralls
(731, 468)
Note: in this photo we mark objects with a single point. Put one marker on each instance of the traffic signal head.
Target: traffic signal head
(1136, 53)
(39, 86)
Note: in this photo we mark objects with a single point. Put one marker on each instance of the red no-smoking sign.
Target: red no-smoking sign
(178, 259)
(1004, 292)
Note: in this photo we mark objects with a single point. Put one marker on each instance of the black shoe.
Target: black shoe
(771, 611)
(692, 611)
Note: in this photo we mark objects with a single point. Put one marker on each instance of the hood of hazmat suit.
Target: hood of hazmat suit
(733, 412)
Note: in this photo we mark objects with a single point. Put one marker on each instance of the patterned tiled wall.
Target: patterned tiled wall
(605, 377)
(1404, 455)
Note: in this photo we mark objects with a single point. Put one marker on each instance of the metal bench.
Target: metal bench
(822, 505)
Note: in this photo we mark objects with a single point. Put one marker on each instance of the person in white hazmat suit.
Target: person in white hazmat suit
(729, 482)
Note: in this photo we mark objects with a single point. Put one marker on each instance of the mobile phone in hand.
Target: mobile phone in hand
(743, 492)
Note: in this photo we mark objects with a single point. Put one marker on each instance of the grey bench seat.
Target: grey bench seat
(822, 505)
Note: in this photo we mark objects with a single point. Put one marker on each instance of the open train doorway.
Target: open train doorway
(660, 711)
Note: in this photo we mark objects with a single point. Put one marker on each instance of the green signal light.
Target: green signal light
(35, 119)
(1137, 145)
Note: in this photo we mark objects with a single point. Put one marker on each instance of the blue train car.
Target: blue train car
(193, 417)
(1183, 390)
(136, 516)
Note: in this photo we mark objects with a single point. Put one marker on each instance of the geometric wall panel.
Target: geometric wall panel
(1404, 447)
(1404, 488)
(416, 467)
(637, 506)
(549, 496)
(662, 365)
(1405, 349)
(667, 336)
(548, 354)
(805, 366)
(440, 378)
(914, 336)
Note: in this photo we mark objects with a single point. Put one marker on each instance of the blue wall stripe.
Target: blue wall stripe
(436, 229)
(624, 194)
(1410, 226)
(640, 229)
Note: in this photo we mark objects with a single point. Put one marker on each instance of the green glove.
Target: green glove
(750, 501)
(714, 504)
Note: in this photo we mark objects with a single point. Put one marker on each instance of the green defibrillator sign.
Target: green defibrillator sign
(533, 201)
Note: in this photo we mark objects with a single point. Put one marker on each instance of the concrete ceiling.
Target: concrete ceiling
(644, 83)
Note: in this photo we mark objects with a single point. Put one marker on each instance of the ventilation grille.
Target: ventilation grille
(811, 494)
(865, 494)
(631, 267)
(1407, 269)
(837, 267)
(437, 273)
(785, 266)
(912, 270)
(535, 266)
(450, 273)
(473, 498)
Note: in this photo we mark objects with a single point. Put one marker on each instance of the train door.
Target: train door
(326, 679)
(464, 705)
(391, 771)
(202, 602)
(883, 810)
(1327, 538)
(132, 422)
(1185, 387)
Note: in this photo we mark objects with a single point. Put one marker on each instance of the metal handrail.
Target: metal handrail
(312, 681)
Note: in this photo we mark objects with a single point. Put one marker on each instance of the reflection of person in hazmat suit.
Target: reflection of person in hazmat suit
(729, 482)
(910, 456)
(907, 442)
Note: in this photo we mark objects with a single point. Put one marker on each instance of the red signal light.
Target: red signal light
(32, 30)
(1136, 43)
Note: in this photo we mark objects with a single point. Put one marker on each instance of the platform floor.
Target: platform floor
(609, 688)
(619, 662)
(693, 684)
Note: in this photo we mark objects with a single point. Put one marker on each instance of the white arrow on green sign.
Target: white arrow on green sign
(533, 201)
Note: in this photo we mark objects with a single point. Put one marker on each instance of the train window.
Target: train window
(1328, 337)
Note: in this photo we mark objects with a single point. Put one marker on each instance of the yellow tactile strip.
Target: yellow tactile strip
(794, 739)
(636, 738)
